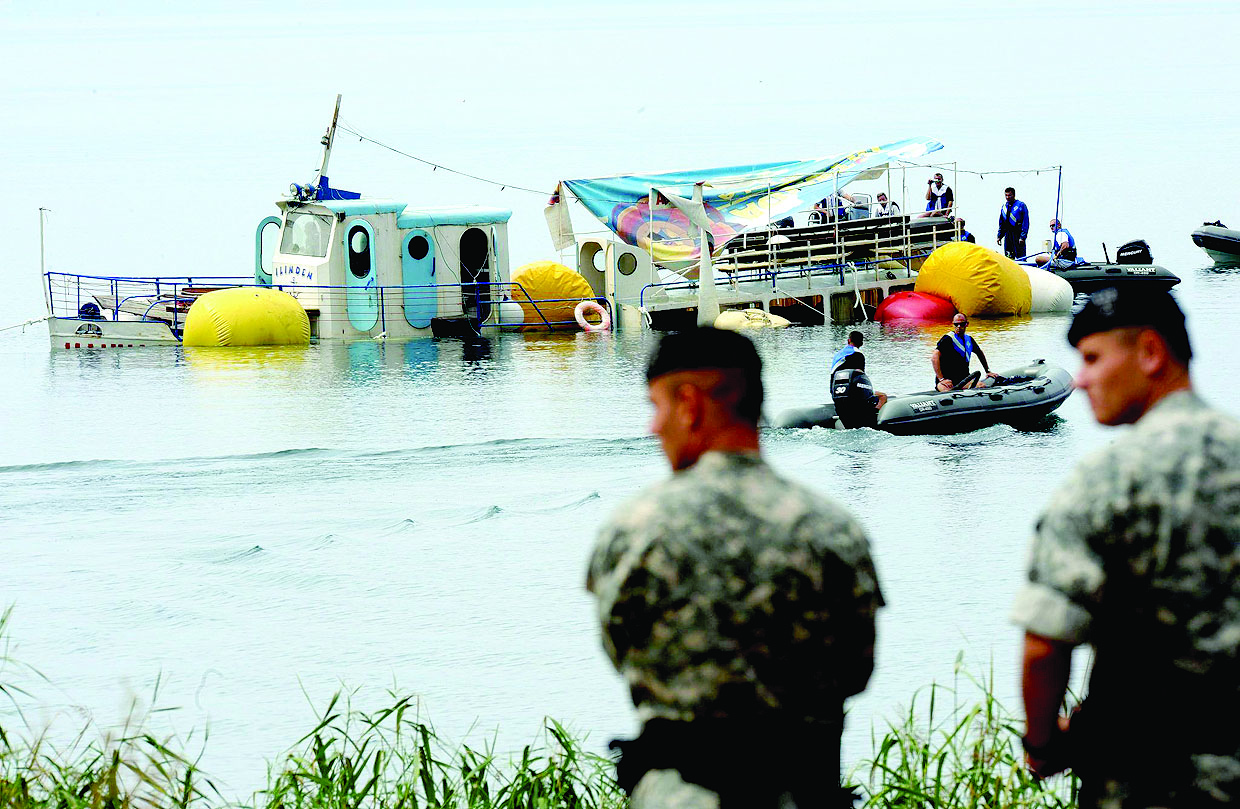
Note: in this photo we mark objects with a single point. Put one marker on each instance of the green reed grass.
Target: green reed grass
(957, 752)
(951, 749)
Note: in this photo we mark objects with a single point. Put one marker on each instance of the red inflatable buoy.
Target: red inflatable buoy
(914, 306)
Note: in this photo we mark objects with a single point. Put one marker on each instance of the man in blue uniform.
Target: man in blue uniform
(951, 358)
(1013, 225)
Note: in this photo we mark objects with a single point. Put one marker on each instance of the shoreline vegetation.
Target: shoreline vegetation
(967, 754)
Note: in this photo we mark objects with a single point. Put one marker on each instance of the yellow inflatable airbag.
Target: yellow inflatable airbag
(978, 281)
(744, 319)
(246, 316)
(560, 286)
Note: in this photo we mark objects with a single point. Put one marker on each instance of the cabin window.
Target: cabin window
(306, 234)
(359, 251)
(418, 248)
(626, 263)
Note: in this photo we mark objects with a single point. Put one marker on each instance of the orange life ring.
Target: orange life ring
(579, 314)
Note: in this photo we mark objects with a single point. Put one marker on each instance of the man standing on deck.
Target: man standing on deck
(738, 605)
(1013, 225)
(950, 358)
(939, 197)
(1138, 555)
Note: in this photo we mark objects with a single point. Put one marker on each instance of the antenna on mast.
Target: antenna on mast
(311, 189)
(328, 137)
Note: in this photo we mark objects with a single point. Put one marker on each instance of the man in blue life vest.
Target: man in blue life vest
(1013, 225)
(1063, 248)
(939, 197)
(850, 357)
(951, 358)
(963, 235)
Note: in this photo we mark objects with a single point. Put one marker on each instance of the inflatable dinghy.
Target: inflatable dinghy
(1134, 266)
(1023, 397)
(1220, 242)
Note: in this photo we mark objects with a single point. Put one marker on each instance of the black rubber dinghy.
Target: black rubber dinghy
(1025, 396)
(1220, 242)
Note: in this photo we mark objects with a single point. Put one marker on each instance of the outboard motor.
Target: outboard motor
(1135, 252)
(854, 398)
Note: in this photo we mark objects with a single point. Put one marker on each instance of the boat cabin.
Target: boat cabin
(364, 268)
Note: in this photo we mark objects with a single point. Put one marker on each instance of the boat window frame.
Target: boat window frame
(286, 234)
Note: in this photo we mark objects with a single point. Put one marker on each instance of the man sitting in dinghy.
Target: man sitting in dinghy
(851, 357)
(1063, 248)
(951, 358)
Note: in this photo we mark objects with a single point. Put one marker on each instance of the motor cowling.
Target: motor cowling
(853, 396)
(1134, 252)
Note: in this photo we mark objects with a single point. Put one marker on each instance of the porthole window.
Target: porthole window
(359, 251)
(626, 263)
(418, 248)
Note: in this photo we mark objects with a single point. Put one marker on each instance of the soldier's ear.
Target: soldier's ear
(1152, 353)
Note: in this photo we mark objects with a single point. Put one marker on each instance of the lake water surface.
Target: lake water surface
(257, 527)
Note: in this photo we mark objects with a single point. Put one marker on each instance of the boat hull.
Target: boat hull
(1091, 277)
(71, 332)
(1032, 393)
(1219, 243)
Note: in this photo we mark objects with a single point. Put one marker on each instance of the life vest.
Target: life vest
(841, 355)
(1012, 215)
(965, 347)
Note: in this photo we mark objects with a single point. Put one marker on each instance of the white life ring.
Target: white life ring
(579, 314)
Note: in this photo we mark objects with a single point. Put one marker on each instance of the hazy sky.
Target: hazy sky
(159, 138)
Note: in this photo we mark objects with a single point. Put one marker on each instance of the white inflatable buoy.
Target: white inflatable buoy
(579, 314)
(739, 319)
(1051, 292)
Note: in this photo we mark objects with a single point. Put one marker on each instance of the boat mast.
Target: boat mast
(328, 137)
(47, 289)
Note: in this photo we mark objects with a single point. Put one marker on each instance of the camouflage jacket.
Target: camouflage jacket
(728, 591)
(1138, 555)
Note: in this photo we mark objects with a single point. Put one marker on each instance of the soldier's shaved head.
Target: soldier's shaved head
(724, 364)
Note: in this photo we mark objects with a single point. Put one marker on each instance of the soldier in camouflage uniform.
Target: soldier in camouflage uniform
(1138, 555)
(738, 605)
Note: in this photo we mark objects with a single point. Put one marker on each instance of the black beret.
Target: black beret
(704, 349)
(1123, 307)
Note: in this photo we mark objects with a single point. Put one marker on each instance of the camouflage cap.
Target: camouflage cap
(1118, 308)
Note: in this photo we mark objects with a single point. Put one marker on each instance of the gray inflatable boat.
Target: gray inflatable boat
(1023, 397)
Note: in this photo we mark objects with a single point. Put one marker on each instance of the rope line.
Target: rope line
(434, 166)
(27, 323)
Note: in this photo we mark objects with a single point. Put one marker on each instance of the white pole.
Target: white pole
(708, 300)
(328, 137)
(47, 290)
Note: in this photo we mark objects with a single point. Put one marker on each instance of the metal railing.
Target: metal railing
(139, 298)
